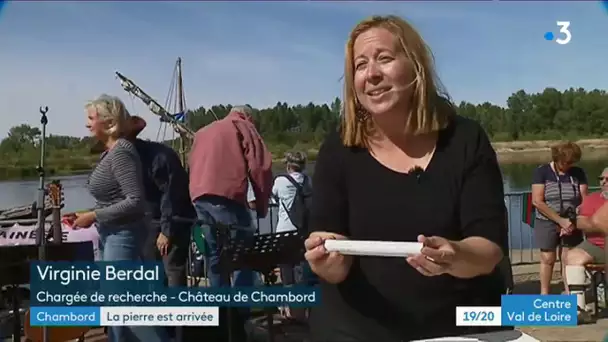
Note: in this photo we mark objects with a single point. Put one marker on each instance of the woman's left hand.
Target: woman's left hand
(84, 220)
(437, 256)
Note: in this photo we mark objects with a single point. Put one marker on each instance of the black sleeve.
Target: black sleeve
(329, 206)
(540, 175)
(171, 180)
(164, 180)
(483, 210)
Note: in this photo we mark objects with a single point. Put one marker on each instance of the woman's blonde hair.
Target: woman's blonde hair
(430, 107)
(113, 112)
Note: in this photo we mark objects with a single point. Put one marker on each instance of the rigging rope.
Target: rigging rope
(175, 120)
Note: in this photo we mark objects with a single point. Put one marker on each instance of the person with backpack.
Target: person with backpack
(292, 192)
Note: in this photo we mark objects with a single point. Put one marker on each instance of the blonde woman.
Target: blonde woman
(404, 167)
(117, 186)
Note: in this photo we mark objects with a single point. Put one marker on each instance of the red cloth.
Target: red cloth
(221, 154)
(590, 205)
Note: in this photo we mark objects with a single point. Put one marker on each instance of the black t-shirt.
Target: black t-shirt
(459, 195)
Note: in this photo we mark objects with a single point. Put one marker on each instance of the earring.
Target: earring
(361, 114)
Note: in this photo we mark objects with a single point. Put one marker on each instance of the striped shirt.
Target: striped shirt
(568, 183)
(117, 186)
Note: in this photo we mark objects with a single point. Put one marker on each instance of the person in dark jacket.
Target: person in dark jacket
(166, 187)
(167, 196)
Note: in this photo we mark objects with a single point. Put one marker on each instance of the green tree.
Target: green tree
(551, 114)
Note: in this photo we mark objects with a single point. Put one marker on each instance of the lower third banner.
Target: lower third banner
(522, 310)
(539, 310)
(61, 316)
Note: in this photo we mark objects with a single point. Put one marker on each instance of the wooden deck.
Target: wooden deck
(526, 280)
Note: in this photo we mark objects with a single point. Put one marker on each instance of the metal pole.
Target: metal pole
(181, 109)
(41, 233)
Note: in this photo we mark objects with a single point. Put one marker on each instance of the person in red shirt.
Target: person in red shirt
(591, 250)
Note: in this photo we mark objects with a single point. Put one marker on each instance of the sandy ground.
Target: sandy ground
(533, 151)
(514, 146)
(539, 150)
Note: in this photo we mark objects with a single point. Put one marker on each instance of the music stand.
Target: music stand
(16, 268)
(261, 253)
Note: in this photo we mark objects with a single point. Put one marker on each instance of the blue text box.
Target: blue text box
(539, 310)
(65, 316)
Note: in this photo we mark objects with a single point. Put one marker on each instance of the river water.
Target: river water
(516, 177)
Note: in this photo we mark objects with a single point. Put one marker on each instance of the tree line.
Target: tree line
(549, 115)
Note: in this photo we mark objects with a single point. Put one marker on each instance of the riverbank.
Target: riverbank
(524, 152)
(512, 152)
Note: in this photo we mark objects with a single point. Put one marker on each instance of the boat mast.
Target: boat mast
(177, 120)
(181, 99)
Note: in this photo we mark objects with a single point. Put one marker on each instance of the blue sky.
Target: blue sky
(61, 54)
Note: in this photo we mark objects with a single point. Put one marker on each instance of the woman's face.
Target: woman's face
(382, 72)
(564, 166)
(95, 125)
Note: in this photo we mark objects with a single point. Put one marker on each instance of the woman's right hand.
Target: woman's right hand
(566, 227)
(333, 267)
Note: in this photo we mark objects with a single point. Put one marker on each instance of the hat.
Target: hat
(136, 124)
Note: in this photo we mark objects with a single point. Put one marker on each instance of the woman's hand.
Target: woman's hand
(332, 266)
(436, 258)
(68, 219)
(467, 258)
(566, 227)
(84, 220)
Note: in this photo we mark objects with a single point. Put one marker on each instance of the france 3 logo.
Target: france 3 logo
(563, 36)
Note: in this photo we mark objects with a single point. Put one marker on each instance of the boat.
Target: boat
(176, 117)
(174, 114)
(23, 213)
(176, 100)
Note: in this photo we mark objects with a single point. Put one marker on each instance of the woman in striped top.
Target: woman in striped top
(558, 187)
(116, 184)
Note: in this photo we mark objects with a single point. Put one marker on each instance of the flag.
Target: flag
(528, 212)
(179, 116)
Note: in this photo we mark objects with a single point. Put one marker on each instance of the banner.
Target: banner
(128, 283)
(522, 310)
(539, 310)
(26, 235)
(124, 316)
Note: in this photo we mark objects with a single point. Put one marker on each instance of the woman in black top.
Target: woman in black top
(403, 168)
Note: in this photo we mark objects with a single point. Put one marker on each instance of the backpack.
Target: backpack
(299, 212)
